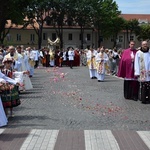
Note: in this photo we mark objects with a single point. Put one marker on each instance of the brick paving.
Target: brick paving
(66, 104)
(77, 102)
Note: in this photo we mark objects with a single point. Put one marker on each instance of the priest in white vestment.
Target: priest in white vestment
(101, 60)
(91, 62)
(142, 71)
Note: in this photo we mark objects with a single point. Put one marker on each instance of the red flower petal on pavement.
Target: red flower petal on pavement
(103, 114)
(125, 117)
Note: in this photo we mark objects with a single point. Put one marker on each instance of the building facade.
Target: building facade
(72, 36)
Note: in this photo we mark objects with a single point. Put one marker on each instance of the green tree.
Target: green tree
(131, 26)
(36, 14)
(57, 16)
(117, 25)
(82, 16)
(11, 10)
(143, 33)
(103, 14)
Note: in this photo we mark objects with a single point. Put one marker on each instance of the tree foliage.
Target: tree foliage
(11, 10)
(131, 26)
(36, 13)
(117, 25)
(101, 15)
(144, 32)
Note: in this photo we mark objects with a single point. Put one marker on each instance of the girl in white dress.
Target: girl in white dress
(3, 118)
(11, 98)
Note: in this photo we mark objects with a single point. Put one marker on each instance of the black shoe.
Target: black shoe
(99, 80)
(92, 77)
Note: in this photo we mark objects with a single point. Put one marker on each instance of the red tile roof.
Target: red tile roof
(136, 16)
(125, 16)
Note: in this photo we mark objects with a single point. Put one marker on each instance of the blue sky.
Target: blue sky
(134, 6)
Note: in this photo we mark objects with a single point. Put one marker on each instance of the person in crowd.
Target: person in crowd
(4, 79)
(115, 58)
(42, 56)
(126, 71)
(37, 55)
(83, 59)
(142, 71)
(11, 99)
(57, 57)
(25, 67)
(47, 56)
(67, 57)
(64, 58)
(107, 67)
(31, 58)
(110, 56)
(3, 118)
(60, 54)
(101, 60)
(91, 62)
(1, 56)
(52, 58)
(16, 57)
(71, 55)
(3, 48)
(76, 57)
(118, 59)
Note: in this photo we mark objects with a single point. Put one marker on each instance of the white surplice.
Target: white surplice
(101, 60)
(91, 62)
(142, 68)
(25, 67)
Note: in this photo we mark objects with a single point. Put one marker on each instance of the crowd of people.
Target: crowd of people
(131, 64)
(17, 66)
(69, 57)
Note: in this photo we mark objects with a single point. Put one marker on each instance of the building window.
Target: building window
(18, 37)
(121, 38)
(70, 36)
(131, 38)
(53, 36)
(44, 36)
(88, 37)
(32, 37)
